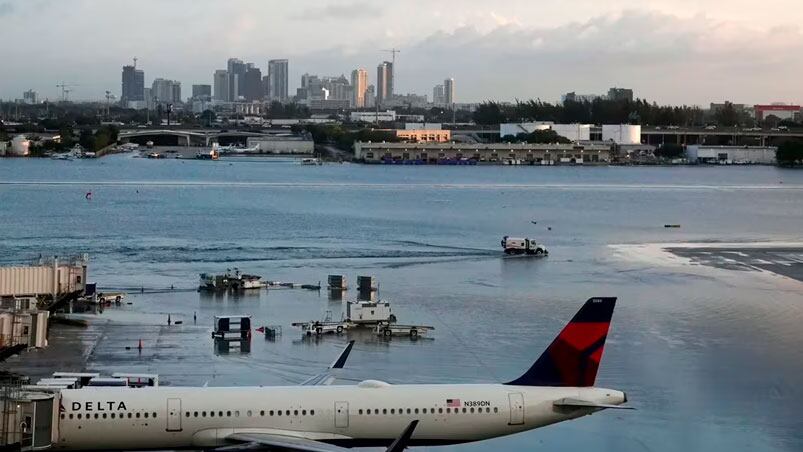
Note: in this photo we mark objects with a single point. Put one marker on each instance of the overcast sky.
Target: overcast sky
(670, 51)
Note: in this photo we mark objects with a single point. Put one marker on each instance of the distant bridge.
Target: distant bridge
(189, 137)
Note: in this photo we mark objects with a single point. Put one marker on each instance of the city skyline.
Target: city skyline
(670, 52)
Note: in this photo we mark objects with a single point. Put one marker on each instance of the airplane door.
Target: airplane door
(516, 408)
(341, 414)
(173, 415)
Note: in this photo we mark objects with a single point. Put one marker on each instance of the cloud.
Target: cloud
(337, 11)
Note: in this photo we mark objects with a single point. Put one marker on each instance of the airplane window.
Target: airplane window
(112, 415)
(62, 415)
(464, 410)
(248, 413)
(262, 413)
(236, 414)
(278, 412)
(303, 412)
(79, 415)
(188, 414)
(496, 410)
(203, 414)
(137, 415)
(70, 415)
(228, 413)
(488, 410)
(96, 415)
(408, 411)
(359, 411)
(271, 412)
(448, 410)
(440, 410)
(146, 415)
(287, 412)
(415, 411)
(194, 414)
(220, 414)
(295, 413)
(312, 412)
(376, 411)
(384, 411)
(472, 410)
(392, 411)
(154, 415)
(104, 415)
(211, 414)
(130, 415)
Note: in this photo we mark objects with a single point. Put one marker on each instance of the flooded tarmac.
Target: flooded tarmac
(706, 339)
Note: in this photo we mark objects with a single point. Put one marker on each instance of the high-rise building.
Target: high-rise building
(221, 85)
(437, 95)
(133, 89)
(359, 84)
(384, 82)
(370, 96)
(251, 87)
(278, 80)
(448, 91)
(166, 91)
(236, 69)
(202, 92)
(30, 97)
(620, 94)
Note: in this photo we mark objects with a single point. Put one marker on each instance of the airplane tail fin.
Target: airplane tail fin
(574, 356)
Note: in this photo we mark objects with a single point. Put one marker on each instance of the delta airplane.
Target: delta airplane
(319, 417)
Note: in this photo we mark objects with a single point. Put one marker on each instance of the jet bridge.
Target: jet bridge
(29, 418)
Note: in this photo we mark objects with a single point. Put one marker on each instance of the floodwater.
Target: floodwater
(710, 355)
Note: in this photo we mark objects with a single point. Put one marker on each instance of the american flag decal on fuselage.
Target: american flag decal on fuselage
(453, 403)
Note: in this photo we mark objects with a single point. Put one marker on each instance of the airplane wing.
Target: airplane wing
(326, 378)
(578, 403)
(270, 441)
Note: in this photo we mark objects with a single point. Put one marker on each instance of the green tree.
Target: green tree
(727, 116)
(790, 153)
(87, 139)
(670, 151)
(489, 113)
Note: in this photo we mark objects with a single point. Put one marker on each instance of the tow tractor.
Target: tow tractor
(525, 246)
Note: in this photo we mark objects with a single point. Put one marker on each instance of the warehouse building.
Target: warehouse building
(470, 153)
(731, 155)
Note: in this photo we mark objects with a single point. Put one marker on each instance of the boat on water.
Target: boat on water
(228, 281)
(311, 161)
(211, 155)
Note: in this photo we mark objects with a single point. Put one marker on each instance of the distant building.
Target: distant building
(133, 85)
(236, 69)
(359, 85)
(731, 154)
(780, 111)
(424, 135)
(30, 97)
(574, 97)
(373, 116)
(370, 96)
(384, 82)
(203, 92)
(448, 91)
(251, 88)
(221, 85)
(437, 95)
(406, 100)
(621, 133)
(501, 153)
(166, 91)
(620, 94)
(278, 80)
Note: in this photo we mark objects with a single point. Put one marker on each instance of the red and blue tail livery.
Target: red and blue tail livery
(573, 357)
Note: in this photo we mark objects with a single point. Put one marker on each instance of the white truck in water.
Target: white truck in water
(518, 246)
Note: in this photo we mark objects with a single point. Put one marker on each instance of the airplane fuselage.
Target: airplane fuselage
(368, 414)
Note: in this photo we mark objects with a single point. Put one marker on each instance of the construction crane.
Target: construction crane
(65, 90)
(393, 51)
